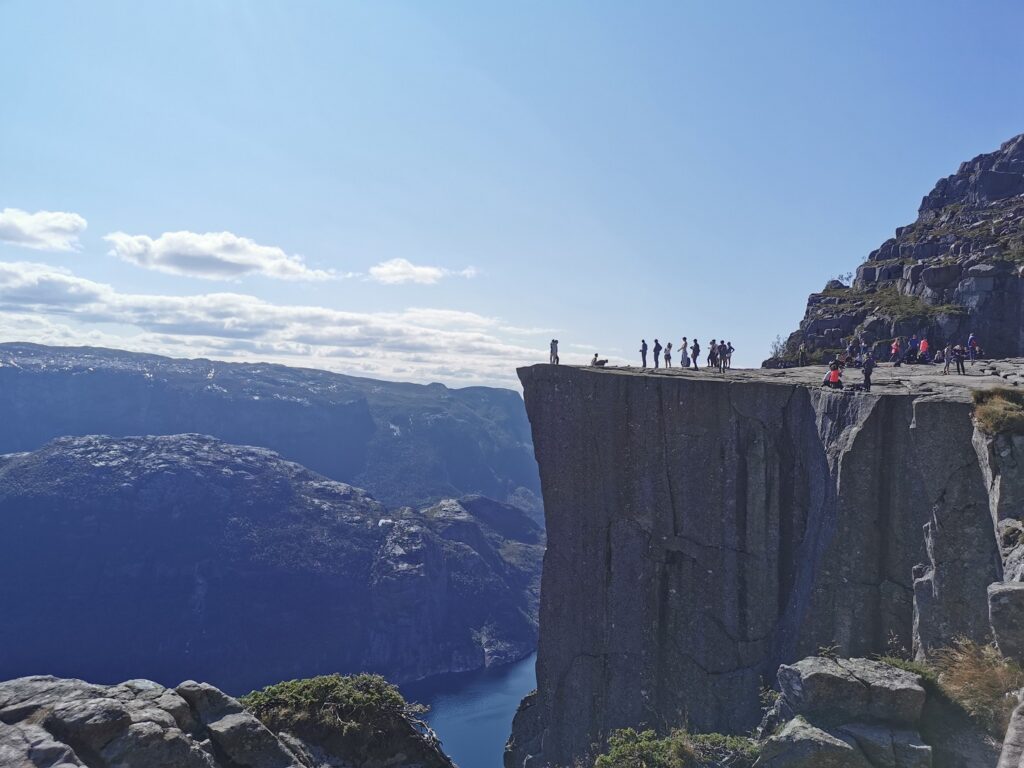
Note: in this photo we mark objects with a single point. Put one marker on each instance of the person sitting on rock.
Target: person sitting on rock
(598, 363)
(834, 377)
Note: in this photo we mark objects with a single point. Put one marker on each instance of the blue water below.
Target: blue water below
(472, 712)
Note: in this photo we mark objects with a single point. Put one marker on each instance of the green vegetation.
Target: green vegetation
(358, 706)
(628, 748)
(974, 677)
(889, 302)
(999, 411)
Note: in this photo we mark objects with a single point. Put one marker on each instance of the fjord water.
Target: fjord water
(472, 712)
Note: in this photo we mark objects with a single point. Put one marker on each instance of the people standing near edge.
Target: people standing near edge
(657, 352)
(728, 354)
(894, 352)
(554, 352)
(695, 354)
(712, 351)
(684, 361)
(868, 365)
(643, 353)
(723, 353)
(668, 355)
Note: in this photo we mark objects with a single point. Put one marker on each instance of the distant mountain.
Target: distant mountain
(404, 443)
(958, 269)
(177, 557)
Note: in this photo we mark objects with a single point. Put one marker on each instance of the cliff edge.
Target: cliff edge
(705, 529)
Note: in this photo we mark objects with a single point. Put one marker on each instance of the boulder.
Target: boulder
(801, 745)
(1006, 615)
(844, 690)
(941, 276)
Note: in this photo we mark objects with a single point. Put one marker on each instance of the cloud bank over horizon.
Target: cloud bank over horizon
(42, 230)
(48, 304)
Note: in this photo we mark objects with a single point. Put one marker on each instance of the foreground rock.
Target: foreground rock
(407, 444)
(47, 722)
(845, 712)
(704, 530)
(956, 270)
(180, 556)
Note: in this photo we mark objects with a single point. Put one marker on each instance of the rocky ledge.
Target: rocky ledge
(704, 529)
(48, 722)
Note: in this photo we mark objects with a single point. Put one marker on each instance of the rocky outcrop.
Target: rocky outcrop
(47, 722)
(703, 531)
(407, 444)
(183, 556)
(847, 713)
(954, 271)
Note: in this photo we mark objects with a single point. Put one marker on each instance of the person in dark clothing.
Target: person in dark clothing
(868, 367)
(958, 357)
(657, 352)
(695, 356)
(643, 353)
(713, 354)
(802, 354)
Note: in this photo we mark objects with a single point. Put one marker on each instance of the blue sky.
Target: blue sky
(430, 191)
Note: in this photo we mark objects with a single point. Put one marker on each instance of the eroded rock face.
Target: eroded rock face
(181, 556)
(48, 722)
(703, 531)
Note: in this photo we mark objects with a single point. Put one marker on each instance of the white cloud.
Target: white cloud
(211, 255)
(42, 230)
(395, 271)
(42, 303)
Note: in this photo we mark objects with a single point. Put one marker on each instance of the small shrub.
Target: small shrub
(829, 651)
(356, 704)
(999, 411)
(981, 680)
(629, 748)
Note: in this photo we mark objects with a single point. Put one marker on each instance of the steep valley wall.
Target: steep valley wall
(701, 532)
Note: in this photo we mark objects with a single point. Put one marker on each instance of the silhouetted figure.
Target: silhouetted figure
(657, 352)
(712, 354)
(554, 352)
(685, 352)
(668, 355)
(958, 357)
(598, 363)
(695, 354)
(801, 354)
(643, 353)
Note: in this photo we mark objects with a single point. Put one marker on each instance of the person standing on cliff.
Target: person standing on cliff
(972, 348)
(554, 352)
(643, 353)
(801, 354)
(668, 355)
(723, 355)
(958, 357)
(712, 352)
(729, 349)
(695, 354)
(947, 358)
(684, 361)
(868, 366)
(657, 352)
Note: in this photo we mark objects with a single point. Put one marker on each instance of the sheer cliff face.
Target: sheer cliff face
(702, 532)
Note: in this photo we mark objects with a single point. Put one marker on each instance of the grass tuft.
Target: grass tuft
(999, 411)
(628, 748)
(978, 678)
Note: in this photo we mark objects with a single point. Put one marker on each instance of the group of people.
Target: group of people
(915, 350)
(719, 354)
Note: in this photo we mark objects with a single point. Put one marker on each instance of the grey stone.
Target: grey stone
(800, 745)
(248, 743)
(1006, 614)
(851, 689)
